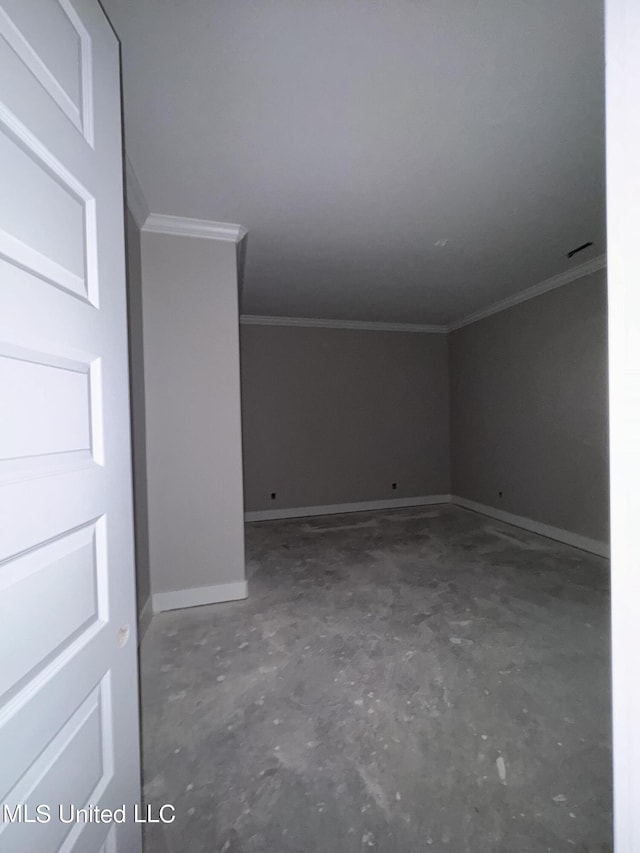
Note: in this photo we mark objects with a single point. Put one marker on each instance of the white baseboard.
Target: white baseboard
(337, 509)
(584, 543)
(144, 620)
(593, 546)
(194, 597)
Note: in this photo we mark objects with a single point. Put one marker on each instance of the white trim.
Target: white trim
(194, 597)
(144, 620)
(319, 323)
(338, 509)
(593, 546)
(559, 280)
(136, 202)
(622, 72)
(158, 223)
(574, 274)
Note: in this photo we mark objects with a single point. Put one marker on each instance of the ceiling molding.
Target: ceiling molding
(136, 202)
(567, 277)
(158, 223)
(556, 281)
(319, 323)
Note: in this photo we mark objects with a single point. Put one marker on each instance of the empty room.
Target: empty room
(318, 366)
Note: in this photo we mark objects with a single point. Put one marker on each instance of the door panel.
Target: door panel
(68, 679)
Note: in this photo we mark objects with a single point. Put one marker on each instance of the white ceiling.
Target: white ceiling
(349, 136)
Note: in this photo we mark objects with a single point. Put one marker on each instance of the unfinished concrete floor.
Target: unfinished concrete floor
(413, 680)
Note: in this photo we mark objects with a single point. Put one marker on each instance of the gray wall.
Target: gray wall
(138, 427)
(334, 416)
(529, 409)
(192, 384)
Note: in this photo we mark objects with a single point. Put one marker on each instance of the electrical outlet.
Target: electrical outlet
(273, 496)
(394, 485)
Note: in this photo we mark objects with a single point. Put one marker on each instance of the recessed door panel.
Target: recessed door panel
(59, 586)
(68, 665)
(53, 245)
(50, 40)
(69, 775)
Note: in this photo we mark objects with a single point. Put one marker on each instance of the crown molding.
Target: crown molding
(574, 274)
(158, 223)
(319, 323)
(136, 202)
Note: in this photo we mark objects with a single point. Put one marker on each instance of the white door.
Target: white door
(623, 273)
(68, 672)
